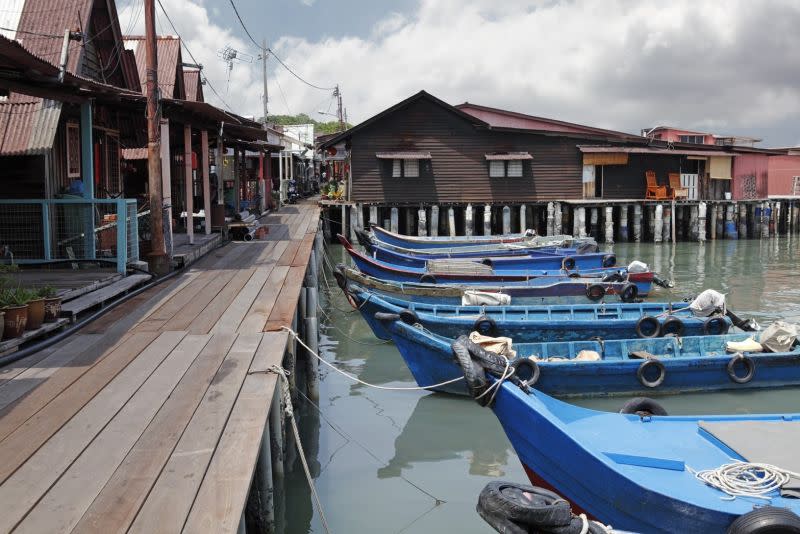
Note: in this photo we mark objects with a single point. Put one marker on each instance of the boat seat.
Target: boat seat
(458, 267)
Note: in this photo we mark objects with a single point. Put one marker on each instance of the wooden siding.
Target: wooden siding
(458, 159)
(628, 181)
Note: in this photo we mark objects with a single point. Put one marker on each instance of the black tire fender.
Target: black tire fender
(673, 325)
(609, 260)
(427, 279)
(568, 263)
(486, 326)
(383, 316)
(643, 380)
(766, 520)
(749, 367)
(629, 292)
(643, 406)
(647, 324)
(474, 375)
(613, 277)
(409, 317)
(526, 370)
(525, 505)
(341, 279)
(595, 292)
(715, 326)
(488, 261)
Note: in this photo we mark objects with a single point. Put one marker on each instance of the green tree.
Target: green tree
(328, 127)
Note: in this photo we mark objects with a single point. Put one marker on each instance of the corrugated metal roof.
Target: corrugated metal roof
(168, 50)
(134, 153)
(194, 89)
(28, 127)
(649, 150)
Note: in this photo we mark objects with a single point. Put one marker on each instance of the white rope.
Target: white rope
(508, 372)
(331, 323)
(356, 379)
(744, 479)
(287, 398)
(585, 525)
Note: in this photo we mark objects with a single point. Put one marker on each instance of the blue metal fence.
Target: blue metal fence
(36, 230)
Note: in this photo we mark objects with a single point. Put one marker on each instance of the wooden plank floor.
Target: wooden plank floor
(150, 419)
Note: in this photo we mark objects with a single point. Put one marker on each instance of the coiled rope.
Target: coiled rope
(745, 479)
(356, 379)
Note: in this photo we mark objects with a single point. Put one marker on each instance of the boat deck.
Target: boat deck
(150, 419)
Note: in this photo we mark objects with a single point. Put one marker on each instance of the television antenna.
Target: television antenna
(230, 55)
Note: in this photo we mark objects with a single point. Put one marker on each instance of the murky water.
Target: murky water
(414, 462)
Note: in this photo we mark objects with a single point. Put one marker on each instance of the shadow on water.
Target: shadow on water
(414, 462)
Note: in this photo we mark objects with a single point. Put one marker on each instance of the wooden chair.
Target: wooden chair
(676, 190)
(654, 191)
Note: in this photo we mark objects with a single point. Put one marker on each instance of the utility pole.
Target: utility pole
(264, 73)
(338, 95)
(158, 260)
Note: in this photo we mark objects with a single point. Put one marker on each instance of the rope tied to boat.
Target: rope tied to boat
(745, 479)
(358, 380)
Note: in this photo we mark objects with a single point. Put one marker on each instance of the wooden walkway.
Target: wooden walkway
(150, 419)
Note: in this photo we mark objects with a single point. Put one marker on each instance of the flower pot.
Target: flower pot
(35, 314)
(52, 309)
(15, 319)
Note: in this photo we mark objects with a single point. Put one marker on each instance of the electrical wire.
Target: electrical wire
(243, 26)
(38, 34)
(293, 73)
(283, 96)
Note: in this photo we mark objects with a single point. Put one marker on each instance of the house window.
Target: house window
(694, 139)
(497, 169)
(507, 164)
(73, 150)
(514, 168)
(405, 168)
(397, 168)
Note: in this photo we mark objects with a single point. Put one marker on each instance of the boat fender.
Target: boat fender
(609, 260)
(526, 370)
(643, 406)
(341, 280)
(749, 367)
(486, 326)
(574, 275)
(351, 299)
(672, 326)
(383, 316)
(595, 292)
(715, 326)
(409, 317)
(474, 374)
(525, 505)
(766, 519)
(613, 277)
(646, 382)
(488, 261)
(427, 279)
(648, 327)
(587, 247)
(629, 292)
(568, 263)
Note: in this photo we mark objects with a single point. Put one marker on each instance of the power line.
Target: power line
(51, 36)
(285, 66)
(243, 26)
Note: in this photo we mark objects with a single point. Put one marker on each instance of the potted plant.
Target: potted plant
(15, 307)
(52, 303)
(35, 309)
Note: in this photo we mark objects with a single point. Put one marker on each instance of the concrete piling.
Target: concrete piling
(434, 220)
(551, 218)
(276, 434)
(506, 220)
(265, 510)
(658, 223)
(609, 224)
(742, 221)
(582, 222)
(451, 221)
(557, 221)
(624, 234)
(523, 218)
(719, 218)
(766, 213)
(373, 214)
(593, 222)
(701, 222)
(360, 218)
(344, 220)
(637, 223)
(730, 225)
(422, 223)
(469, 223)
(666, 228)
(312, 340)
(393, 218)
(712, 228)
(487, 220)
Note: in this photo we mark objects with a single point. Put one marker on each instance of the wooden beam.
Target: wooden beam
(204, 169)
(189, 182)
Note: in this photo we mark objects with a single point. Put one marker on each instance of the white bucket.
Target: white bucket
(727, 196)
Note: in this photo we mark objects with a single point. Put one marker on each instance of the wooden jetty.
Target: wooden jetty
(152, 418)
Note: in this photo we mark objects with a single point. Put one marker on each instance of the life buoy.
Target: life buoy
(646, 382)
(715, 326)
(749, 369)
(629, 292)
(427, 279)
(643, 406)
(672, 326)
(648, 327)
(527, 370)
(409, 317)
(609, 260)
(766, 520)
(595, 292)
(568, 263)
(486, 326)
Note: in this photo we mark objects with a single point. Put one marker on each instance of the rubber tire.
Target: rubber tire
(710, 330)
(609, 260)
(648, 319)
(646, 405)
(587, 248)
(595, 292)
(427, 279)
(534, 370)
(409, 317)
(485, 326)
(673, 325)
(546, 509)
(383, 316)
(766, 520)
(488, 261)
(341, 279)
(499, 522)
(749, 365)
(568, 263)
(629, 292)
(574, 275)
(474, 374)
(644, 381)
(613, 277)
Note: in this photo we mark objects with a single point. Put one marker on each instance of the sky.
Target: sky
(727, 67)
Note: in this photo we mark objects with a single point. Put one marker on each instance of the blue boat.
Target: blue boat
(475, 273)
(637, 472)
(546, 261)
(626, 366)
(537, 323)
(408, 241)
(537, 292)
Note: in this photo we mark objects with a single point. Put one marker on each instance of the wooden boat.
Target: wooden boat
(637, 472)
(626, 366)
(471, 273)
(526, 239)
(519, 292)
(538, 323)
(546, 261)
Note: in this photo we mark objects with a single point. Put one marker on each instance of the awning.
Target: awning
(720, 168)
(606, 158)
(403, 155)
(508, 156)
(586, 149)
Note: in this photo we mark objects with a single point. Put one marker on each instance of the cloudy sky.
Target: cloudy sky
(730, 67)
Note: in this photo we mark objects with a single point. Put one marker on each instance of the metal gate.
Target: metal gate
(689, 181)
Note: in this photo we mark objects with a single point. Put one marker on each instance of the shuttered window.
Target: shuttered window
(411, 168)
(73, 150)
(397, 168)
(515, 168)
(497, 169)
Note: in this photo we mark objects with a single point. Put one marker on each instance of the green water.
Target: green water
(414, 462)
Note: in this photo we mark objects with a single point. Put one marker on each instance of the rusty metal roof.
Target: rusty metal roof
(169, 56)
(194, 89)
(587, 149)
(28, 127)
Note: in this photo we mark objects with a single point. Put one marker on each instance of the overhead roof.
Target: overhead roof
(193, 85)
(168, 49)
